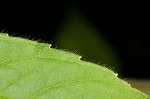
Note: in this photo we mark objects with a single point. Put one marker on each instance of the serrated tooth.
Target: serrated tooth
(116, 75)
(129, 85)
(50, 45)
(80, 57)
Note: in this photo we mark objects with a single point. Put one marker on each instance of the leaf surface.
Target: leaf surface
(33, 70)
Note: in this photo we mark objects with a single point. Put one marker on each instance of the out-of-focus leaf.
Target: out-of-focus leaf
(77, 33)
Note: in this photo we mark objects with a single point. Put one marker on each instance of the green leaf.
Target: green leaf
(33, 70)
(77, 33)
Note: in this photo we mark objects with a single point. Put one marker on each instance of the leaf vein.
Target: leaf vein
(57, 86)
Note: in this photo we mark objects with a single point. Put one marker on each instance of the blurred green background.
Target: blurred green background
(77, 33)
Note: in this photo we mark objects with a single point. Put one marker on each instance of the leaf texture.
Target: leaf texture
(33, 70)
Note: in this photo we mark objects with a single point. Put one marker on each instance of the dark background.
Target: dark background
(122, 23)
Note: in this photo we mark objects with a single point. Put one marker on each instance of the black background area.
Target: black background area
(123, 23)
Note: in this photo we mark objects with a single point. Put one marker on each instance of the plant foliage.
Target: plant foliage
(33, 70)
